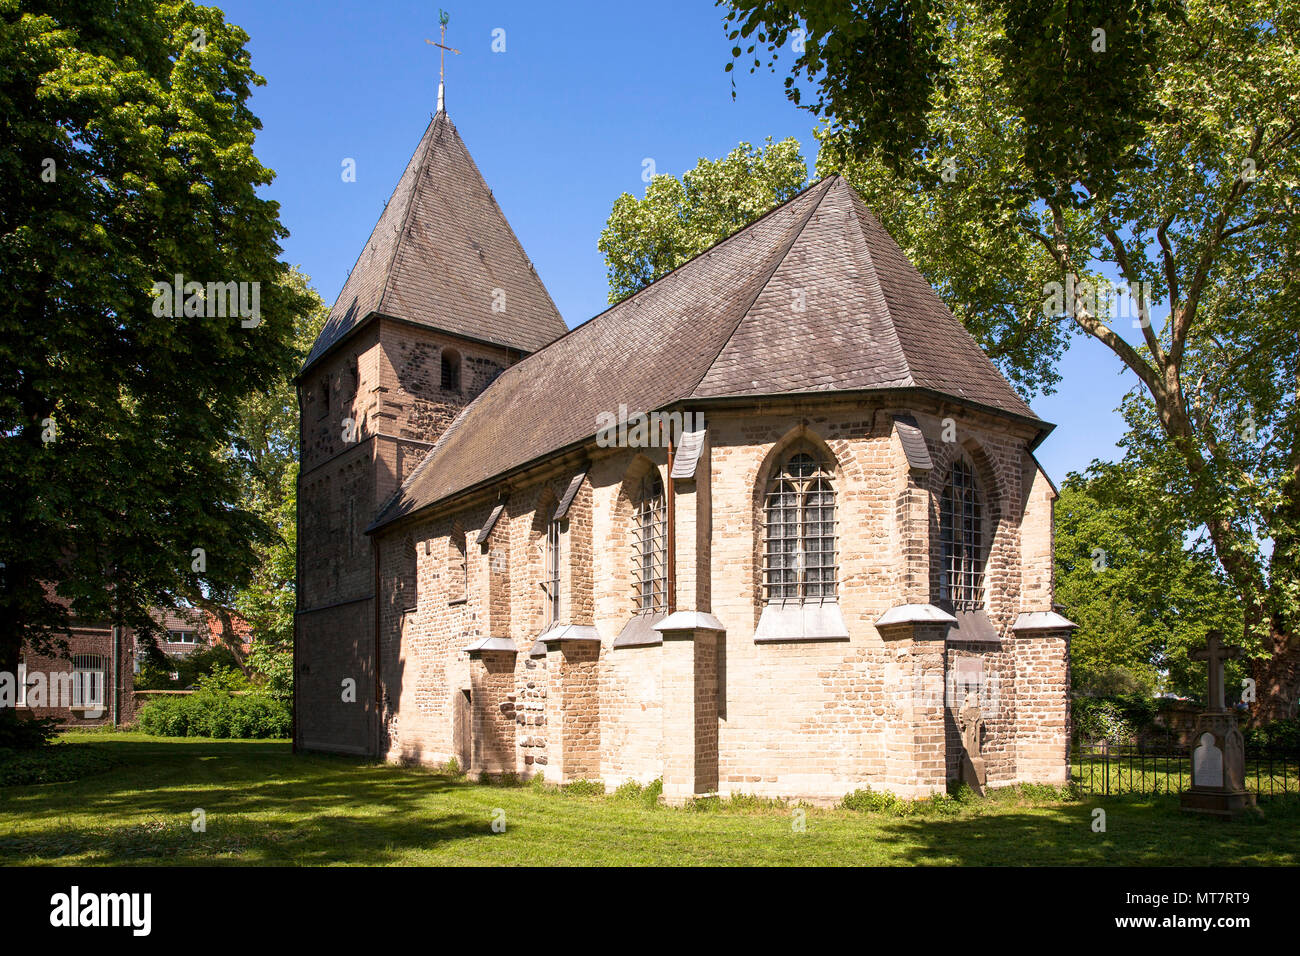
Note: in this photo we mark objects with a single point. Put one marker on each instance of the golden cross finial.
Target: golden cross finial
(443, 50)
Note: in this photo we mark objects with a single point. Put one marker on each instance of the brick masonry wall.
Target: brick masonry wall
(56, 678)
(370, 412)
(492, 679)
(804, 719)
(1043, 697)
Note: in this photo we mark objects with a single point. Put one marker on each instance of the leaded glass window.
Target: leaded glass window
(650, 548)
(799, 512)
(961, 540)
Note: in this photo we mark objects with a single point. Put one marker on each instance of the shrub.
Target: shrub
(1118, 718)
(54, 764)
(216, 713)
(873, 801)
(25, 733)
(584, 788)
(1282, 734)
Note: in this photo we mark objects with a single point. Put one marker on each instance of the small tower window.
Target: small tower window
(450, 370)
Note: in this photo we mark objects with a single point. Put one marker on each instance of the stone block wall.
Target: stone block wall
(1042, 698)
(808, 719)
(371, 410)
(492, 681)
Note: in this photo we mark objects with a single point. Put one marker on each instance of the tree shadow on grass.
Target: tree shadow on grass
(305, 809)
(1139, 831)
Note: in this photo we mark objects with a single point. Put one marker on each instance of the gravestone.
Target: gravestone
(1218, 753)
(1207, 763)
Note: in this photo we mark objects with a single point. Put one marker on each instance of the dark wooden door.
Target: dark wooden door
(463, 730)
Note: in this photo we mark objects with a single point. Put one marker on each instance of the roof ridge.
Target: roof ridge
(871, 279)
(427, 140)
(944, 315)
(779, 258)
(629, 300)
(492, 198)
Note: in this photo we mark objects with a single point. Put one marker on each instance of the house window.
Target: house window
(450, 370)
(87, 680)
(22, 684)
(182, 637)
(551, 585)
(324, 396)
(961, 540)
(651, 550)
(799, 512)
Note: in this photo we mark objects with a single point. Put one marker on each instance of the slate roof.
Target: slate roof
(440, 248)
(726, 324)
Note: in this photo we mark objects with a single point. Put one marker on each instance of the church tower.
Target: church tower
(440, 300)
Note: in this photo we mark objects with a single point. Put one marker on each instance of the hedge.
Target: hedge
(216, 714)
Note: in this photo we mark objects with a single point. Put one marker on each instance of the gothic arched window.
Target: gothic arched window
(799, 518)
(650, 548)
(961, 540)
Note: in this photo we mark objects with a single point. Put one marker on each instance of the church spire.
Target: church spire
(443, 17)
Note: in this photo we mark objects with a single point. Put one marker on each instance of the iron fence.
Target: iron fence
(1107, 768)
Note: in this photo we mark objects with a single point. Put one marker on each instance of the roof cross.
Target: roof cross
(443, 49)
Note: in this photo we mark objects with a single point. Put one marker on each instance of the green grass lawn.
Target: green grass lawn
(265, 806)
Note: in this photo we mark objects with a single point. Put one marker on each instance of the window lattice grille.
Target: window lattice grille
(961, 541)
(799, 560)
(87, 680)
(650, 550)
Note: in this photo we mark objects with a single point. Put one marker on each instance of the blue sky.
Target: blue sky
(559, 124)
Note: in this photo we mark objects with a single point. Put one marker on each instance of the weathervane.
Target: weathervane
(443, 17)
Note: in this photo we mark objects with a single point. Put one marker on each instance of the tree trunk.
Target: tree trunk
(1277, 679)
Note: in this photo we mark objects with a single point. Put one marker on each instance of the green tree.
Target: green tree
(266, 441)
(1142, 593)
(680, 218)
(270, 600)
(126, 159)
(1165, 148)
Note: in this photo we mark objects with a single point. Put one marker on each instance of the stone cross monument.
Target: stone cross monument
(1218, 752)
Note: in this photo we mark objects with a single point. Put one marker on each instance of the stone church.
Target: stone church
(814, 555)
